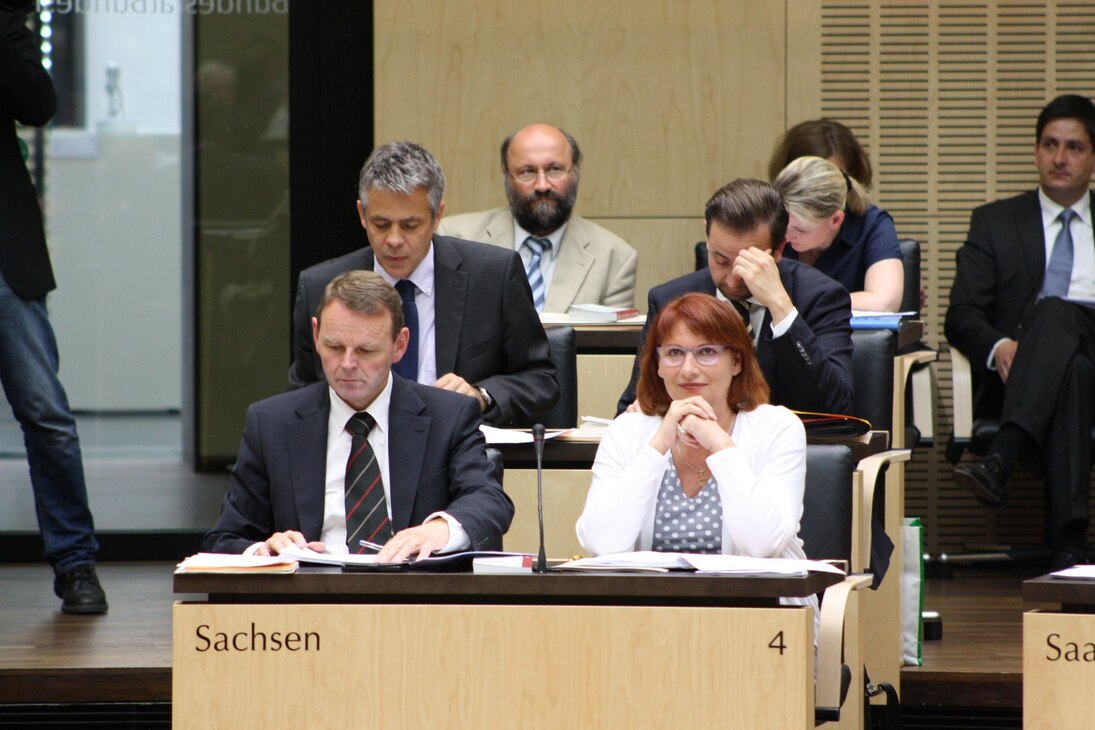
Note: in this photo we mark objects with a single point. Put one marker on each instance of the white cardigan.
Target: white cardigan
(760, 480)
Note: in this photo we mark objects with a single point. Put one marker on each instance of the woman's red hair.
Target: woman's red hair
(719, 324)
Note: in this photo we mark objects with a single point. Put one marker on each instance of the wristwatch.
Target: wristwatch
(486, 397)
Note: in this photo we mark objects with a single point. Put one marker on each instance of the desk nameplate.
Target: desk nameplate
(1058, 670)
(465, 666)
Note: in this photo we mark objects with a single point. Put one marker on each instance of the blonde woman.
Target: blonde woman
(833, 227)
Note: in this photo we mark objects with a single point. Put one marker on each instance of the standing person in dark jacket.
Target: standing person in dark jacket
(28, 350)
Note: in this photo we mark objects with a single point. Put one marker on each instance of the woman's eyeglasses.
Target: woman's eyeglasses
(672, 355)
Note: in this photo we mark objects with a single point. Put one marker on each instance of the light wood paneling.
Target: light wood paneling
(601, 381)
(664, 96)
(666, 246)
(944, 96)
(498, 666)
(564, 497)
(1058, 670)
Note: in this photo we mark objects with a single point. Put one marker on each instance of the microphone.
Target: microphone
(538, 443)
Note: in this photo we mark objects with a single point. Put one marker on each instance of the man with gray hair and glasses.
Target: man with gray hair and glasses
(473, 327)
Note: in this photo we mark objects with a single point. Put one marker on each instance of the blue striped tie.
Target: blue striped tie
(535, 278)
(1059, 271)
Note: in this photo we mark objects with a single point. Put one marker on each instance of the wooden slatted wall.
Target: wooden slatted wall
(945, 95)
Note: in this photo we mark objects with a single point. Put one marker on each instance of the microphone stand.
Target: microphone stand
(538, 442)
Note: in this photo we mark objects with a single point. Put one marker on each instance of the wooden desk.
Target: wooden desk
(1059, 655)
(465, 651)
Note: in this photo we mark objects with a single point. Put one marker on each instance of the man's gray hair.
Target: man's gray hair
(402, 167)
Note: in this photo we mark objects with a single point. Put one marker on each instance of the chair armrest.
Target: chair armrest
(870, 468)
(925, 391)
(962, 380)
(902, 366)
(830, 645)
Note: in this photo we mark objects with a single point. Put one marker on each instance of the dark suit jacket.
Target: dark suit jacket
(999, 275)
(809, 368)
(436, 456)
(26, 95)
(487, 329)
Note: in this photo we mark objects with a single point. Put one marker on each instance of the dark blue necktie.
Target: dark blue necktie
(1059, 271)
(408, 366)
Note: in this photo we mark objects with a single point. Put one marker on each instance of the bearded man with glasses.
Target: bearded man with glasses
(568, 259)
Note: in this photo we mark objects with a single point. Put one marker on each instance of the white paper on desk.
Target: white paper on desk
(307, 555)
(640, 560)
(744, 565)
(513, 435)
(563, 318)
(865, 314)
(1083, 572)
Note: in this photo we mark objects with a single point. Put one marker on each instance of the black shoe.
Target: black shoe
(79, 590)
(988, 480)
(1069, 557)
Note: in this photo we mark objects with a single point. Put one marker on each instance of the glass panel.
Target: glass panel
(112, 190)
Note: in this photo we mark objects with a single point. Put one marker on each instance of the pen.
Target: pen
(371, 545)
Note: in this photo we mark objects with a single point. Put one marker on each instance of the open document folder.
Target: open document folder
(226, 563)
(657, 562)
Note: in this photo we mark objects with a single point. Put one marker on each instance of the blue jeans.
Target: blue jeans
(28, 373)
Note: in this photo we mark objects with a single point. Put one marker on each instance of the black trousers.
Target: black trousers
(1050, 394)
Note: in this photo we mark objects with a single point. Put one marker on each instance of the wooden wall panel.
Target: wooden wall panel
(668, 99)
(944, 95)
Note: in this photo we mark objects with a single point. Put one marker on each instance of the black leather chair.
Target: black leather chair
(910, 259)
(494, 456)
(826, 532)
(872, 377)
(701, 255)
(563, 350)
(826, 527)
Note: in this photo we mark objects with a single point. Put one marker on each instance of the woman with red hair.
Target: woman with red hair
(707, 466)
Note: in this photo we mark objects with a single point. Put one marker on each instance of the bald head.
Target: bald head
(540, 166)
(540, 136)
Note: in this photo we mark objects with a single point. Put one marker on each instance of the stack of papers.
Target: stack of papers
(307, 555)
(592, 429)
(440, 560)
(513, 435)
(1082, 572)
(863, 320)
(656, 562)
(223, 563)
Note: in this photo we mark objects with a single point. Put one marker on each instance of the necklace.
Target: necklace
(701, 474)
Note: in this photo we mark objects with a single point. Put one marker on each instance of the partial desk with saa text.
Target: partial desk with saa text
(323, 648)
(1059, 654)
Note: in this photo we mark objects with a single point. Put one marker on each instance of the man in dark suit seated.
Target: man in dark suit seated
(1022, 309)
(797, 315)
(364, 454)
(474, 328)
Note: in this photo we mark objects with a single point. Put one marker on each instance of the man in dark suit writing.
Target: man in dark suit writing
(414, 478)
(1022, 309)
(798, 316)
(474, 328)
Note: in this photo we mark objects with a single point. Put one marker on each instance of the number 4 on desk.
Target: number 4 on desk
(777, 643)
